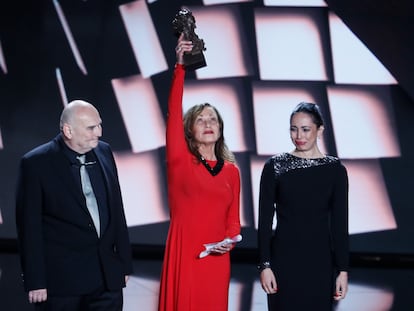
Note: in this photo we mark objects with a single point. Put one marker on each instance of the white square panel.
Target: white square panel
(289, 46)
(363, 122)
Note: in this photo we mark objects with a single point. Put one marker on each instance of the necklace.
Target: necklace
(213, 170)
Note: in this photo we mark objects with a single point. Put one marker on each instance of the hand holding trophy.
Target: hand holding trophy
(184, 23)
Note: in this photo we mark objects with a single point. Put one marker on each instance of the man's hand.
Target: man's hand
(38, 295)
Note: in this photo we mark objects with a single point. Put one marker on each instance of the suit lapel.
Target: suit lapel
(106, 169)
(62, 166)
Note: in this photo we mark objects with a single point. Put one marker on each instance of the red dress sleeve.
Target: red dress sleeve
(175, 139)
(233, 216)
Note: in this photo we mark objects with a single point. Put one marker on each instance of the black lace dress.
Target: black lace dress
(310, 243)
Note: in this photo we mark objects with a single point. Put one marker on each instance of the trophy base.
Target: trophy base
(194, 61)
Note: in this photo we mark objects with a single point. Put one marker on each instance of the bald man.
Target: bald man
(71, 260)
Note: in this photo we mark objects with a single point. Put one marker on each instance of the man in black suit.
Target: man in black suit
(68, 262)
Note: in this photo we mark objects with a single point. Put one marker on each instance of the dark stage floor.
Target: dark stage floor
(371, 289)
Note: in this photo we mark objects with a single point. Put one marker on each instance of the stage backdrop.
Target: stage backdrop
(262, 59)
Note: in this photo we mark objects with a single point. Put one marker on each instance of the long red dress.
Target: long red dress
(203, 209)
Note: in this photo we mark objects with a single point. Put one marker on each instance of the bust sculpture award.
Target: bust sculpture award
(184, 22)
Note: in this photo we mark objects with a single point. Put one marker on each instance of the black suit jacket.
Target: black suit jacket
(59, 247)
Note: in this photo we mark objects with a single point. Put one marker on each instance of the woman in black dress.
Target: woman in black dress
(304, 262)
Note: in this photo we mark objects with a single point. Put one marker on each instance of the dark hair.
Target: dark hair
(311, 109)
(221, 150)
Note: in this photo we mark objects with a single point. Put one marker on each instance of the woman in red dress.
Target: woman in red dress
(203, 195)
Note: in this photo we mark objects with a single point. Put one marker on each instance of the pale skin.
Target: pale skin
(206, 127)
(81, 127)
(304, 134)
